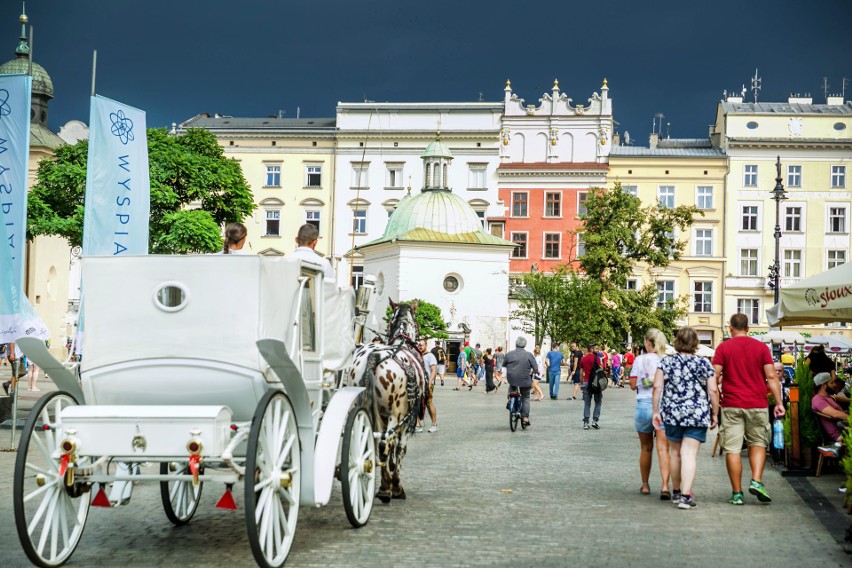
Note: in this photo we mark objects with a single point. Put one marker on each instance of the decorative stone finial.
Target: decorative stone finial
(604, 84)
(556, 84)
(508, 84)
(23, 48)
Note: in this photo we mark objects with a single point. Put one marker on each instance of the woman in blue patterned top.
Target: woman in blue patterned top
(686, 384)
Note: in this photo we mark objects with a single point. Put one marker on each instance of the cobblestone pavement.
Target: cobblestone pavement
(574, 500)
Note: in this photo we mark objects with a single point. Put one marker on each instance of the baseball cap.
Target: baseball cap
(787, 359)
(478, 345)
(466, 343)
(822, 378)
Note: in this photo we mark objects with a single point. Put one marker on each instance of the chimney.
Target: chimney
(834, 100)
(653, 140)
(799, 100)
(616, 139)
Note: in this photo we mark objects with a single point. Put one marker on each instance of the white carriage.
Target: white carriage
(214, 368)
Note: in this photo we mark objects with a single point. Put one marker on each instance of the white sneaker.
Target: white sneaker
(829, 451)
(418, 429)
(433, 428)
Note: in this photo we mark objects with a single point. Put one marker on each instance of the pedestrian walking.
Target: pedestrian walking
(744, 368)
(591, 361)
(642, 374)
(686, 401)
(461, 371)
(520, 367)
(576, 356)
(431, 365)
(615, 361)
(498, 365)
(554, 361)
(488, 369)
(478, 370)
(441, 357)
(536, 389)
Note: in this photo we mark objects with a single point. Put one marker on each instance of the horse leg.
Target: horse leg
(386, 449)
(397, 491)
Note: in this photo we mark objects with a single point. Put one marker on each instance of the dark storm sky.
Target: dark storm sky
(177, 58)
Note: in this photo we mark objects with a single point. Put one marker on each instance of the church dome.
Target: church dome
(42, 84)
(434, 211)
(437, 149)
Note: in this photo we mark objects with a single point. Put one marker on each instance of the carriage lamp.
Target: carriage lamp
(194, 447)
(365, 291)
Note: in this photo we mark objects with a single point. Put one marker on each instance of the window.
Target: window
(481, 215)
(273, 223)
(836, 220)
(451, 283)
(665, 196)
(749, 307)
(360, 175)
(702, 297)
(703, 242)
(582, 197)
(581, 245)
(309, 318)
(794, 176)
(750, 175)
(748, 262)
(394, 176)
(793, 219)
(665, 293)
(838, 176)
(390, 206)
(476, 177)
(273, 176)
(792, 264)
(704, 197)
(359, 221)
(836, 258)
(552, 204)
(519, 204)
(357, 278)
(749, 218)
(312, 218)
(632, 284)
(520, 240)
(552, 248)
(313, 176)
(630, 190)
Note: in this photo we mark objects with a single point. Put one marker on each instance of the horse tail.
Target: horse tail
(373, 362)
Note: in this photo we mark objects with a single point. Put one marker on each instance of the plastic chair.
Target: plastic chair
(826, 440)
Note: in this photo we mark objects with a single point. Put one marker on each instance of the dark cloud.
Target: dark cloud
(253, 58)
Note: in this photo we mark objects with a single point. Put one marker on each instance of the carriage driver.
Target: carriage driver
(520, 366)
(306, 241)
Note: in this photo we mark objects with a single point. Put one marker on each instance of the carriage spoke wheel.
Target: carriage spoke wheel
(358, 467)
(49, 515)
(180, 497)
(273, 480)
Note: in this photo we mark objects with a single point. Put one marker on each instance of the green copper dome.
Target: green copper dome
(440, 211)
(42, 84)
(437, 149)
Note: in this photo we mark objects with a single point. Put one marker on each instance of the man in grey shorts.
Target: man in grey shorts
(499, 356)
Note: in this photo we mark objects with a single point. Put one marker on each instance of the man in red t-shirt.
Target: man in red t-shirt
(745, 369)
(587, 363)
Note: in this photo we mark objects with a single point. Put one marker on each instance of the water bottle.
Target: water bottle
(778, 434)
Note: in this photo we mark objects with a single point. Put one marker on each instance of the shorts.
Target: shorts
(442, 369)
(749, 423)
(575, 378)
(678, 433)
(459, 372)
(642, 417)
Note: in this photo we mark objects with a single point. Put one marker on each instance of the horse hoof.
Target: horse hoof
(400, 496)
(384, 497)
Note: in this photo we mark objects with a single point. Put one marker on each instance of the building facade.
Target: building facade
(670, 173)
(814, 143)
(289, 166)
(378, 162)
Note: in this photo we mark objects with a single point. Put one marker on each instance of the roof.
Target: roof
(553, 166)
(437, 149)
(639, 151)
(436, 215)
(271, 123)
(40, 135)
(685, 143)
(42, 83)
(786, 108)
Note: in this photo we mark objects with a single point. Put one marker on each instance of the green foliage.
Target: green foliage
(809, 436)
(846, 461)
(194, 190)
(430, 323)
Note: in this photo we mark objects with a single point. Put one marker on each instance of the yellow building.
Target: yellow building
(814, 143)
(683, 172)
(289, 165)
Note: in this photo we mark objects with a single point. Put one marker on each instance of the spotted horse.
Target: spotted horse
(395, 380)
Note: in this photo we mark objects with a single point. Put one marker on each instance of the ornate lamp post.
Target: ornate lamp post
(778, 195)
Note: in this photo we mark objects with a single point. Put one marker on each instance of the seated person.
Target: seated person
(819, 362)
(789, 375)
(831, 416)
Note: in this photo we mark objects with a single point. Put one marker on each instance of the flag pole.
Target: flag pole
(94, 69)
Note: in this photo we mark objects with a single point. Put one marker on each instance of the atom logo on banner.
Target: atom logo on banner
(122, 127)
(5, 109)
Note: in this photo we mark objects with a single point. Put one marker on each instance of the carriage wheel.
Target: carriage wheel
(49, 515)
(273, 480)
(180, 497)
(358, 467)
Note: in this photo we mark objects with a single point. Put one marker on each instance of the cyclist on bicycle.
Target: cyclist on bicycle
(520, 366)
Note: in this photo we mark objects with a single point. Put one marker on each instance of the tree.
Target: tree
(430, 323)
(194, 191)
(538, 295)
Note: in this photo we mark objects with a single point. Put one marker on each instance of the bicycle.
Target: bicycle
(514, 407)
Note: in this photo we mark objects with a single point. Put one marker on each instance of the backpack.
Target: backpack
(598, 381)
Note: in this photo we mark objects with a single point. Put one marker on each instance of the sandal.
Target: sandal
(645, 490)
(457, 388)
(665, 495)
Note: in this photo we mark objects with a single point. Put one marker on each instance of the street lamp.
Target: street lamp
(778, 195)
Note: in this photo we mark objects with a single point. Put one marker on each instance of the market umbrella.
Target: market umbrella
(833, 343)
(824, 298)
(778, 337)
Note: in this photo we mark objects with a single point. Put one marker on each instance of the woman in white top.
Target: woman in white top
(235, 239)
(642, 381)
(536, 390)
